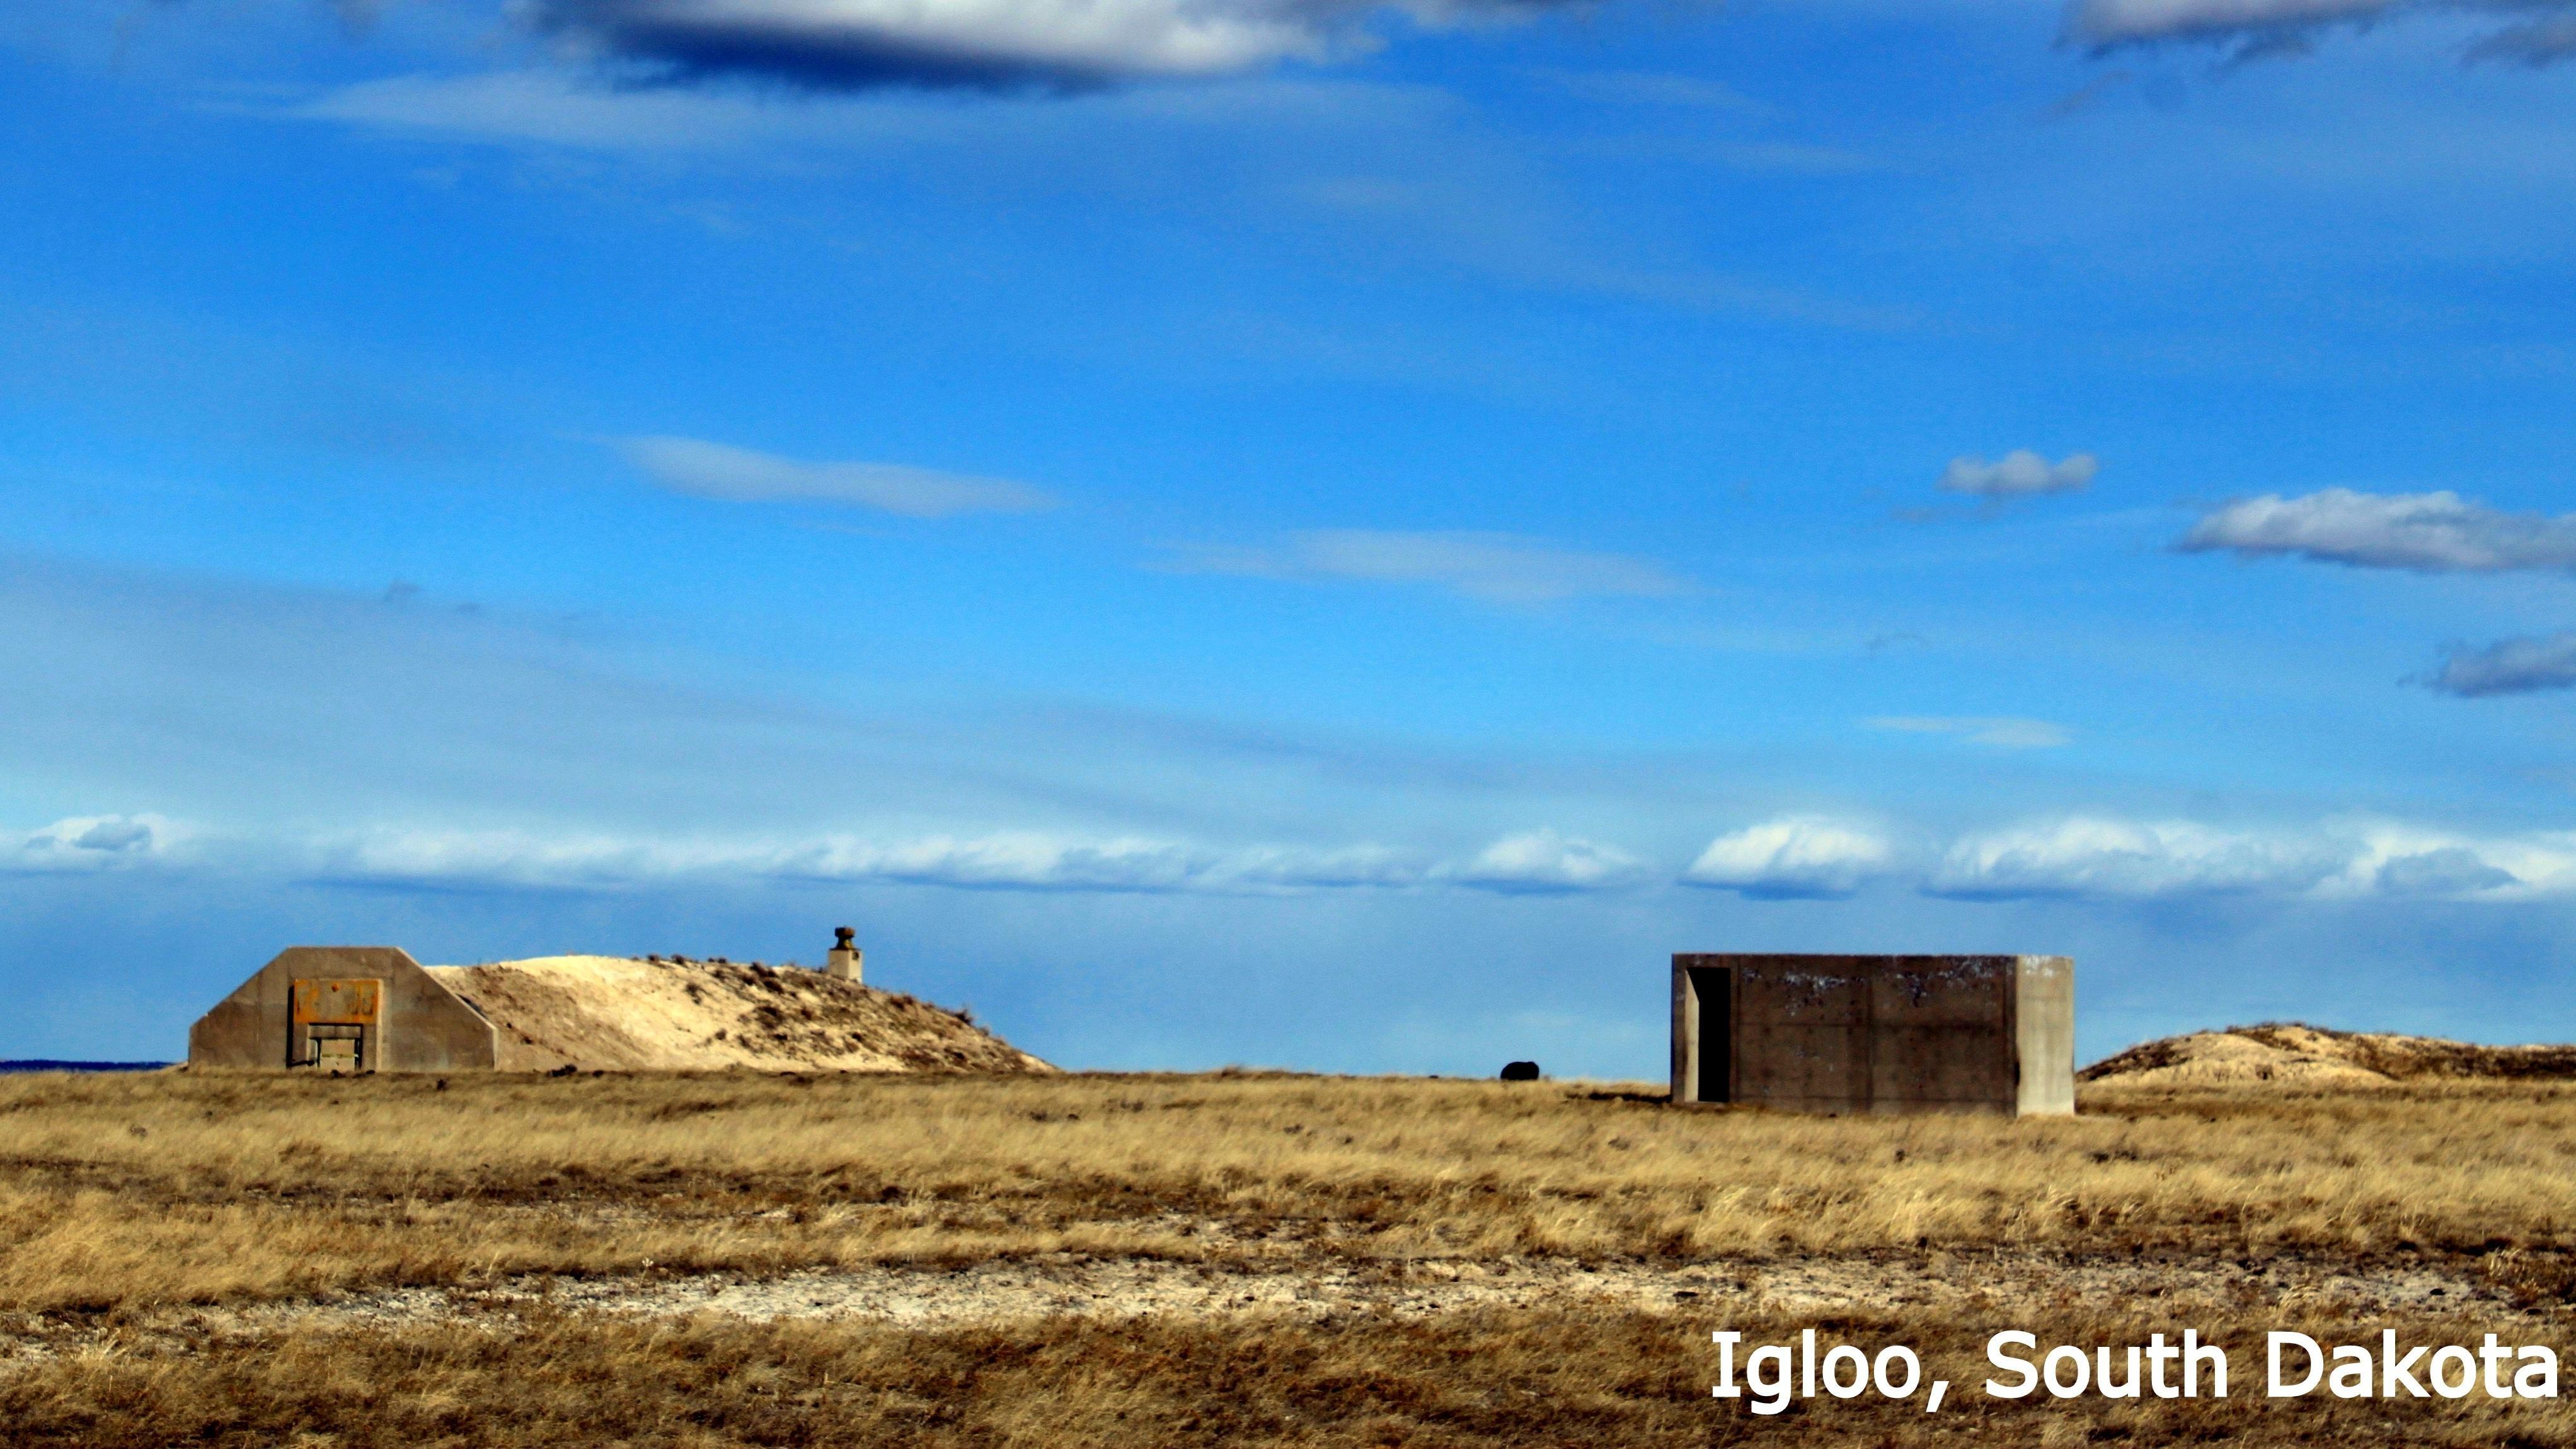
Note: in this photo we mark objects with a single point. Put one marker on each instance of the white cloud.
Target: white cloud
(2001, 731)
(1344, 868)
(2446, 871)
(1014, 860)
(2391, 858)
(503, 858)
(2509, 666)
(1023, 860)
(979, 44)
(2260, 27)
(1537, 862)
(1035, 860)
(739, 475)
(2020, 473)
(2427, 532)
(2092, 856)
(2105, 858)
(1794, 856)
(91, 842)
(1493, 567)
(2109, 858)
(1545, 861)
(1790, 857)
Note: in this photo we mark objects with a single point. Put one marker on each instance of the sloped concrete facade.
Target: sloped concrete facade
(343, 1008)
(1876, 1033)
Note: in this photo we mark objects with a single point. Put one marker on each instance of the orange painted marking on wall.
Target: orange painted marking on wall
(338, 1003)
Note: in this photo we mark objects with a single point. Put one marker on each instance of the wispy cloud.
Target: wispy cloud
(739, 475)
(1652, 88)
(1796, 856)
(1788, 158)
(527, 105)
(2086, 96)
(2538, 32)
(2020, 473)
(1493, 567)
(2001, 731)
(1004, 860)
(272, 710)
(2427, 532)
(2509, 666)
(2545, 41)
(1539, 861)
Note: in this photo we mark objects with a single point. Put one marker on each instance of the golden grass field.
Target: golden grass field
(172, 1245)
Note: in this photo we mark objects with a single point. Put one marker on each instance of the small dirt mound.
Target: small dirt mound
(619, 1014)
(2293, 1054)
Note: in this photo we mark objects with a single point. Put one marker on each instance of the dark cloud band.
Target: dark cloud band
(1056, 45)
(2509, 666)
(2541, 32)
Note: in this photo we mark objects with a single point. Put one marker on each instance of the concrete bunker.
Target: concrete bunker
(1876, 1033)
(373, 1008)
(343, 1008)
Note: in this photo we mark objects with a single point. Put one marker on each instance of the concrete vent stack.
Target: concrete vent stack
(846, 960)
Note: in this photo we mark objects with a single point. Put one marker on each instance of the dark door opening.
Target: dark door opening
(335, 1048)
(1713, 999)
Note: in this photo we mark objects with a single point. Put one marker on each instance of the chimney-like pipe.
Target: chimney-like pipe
(845, 959)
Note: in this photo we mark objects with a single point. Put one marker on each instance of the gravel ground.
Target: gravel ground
(1003, 1291)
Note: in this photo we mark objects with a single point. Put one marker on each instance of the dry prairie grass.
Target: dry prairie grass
(1527, 1379)
(131, 1191)
(123, 1200)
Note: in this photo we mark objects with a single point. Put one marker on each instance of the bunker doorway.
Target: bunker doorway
(1712, 1033)
(335, 1048)
(334, 1024)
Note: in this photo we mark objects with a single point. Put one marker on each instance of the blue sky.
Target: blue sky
(1326, 534)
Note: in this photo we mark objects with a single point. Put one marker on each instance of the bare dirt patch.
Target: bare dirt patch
(1059, 1285)
(1005, 1291)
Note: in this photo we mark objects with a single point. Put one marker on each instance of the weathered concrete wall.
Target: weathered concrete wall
(1875, 1033)
(2044, 1035)
(417, 1025)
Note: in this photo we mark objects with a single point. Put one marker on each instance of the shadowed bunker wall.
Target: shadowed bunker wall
(1876, 1033)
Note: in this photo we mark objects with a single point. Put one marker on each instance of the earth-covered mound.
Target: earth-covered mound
(2298, 1055)
(618, 1013)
